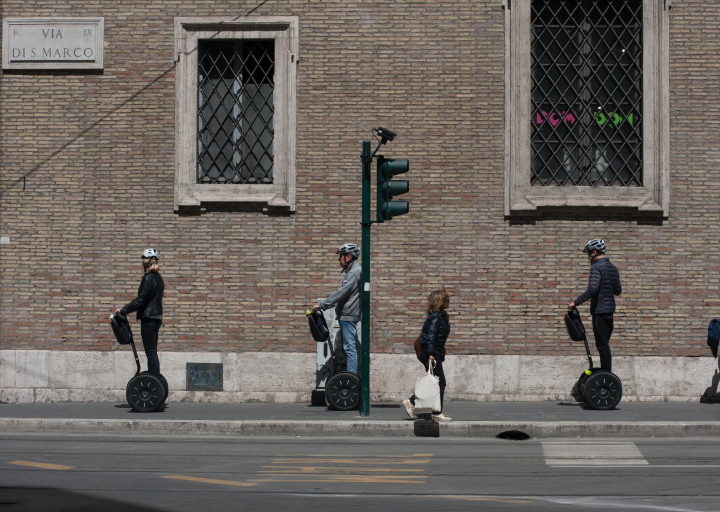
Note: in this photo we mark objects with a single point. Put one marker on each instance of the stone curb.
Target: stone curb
(419, 428)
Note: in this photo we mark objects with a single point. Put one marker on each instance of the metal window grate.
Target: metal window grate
(235, 111)
(586, 92)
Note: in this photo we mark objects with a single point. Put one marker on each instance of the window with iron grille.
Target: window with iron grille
(587, 104)
(587, 92)
(235, 111)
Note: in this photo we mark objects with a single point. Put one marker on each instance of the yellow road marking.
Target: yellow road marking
(340, 477)
(354, 461)
(347, 480)
(496, 500)
(312, 469)
(209, 480)
(305, 456)
(42, 465)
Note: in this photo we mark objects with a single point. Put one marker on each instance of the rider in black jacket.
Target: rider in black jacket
(603, 286)
(148, 305)
(435, 332)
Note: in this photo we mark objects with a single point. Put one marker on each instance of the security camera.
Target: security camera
(386, 135)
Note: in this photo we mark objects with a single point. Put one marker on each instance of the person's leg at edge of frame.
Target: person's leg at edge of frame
(349, 335)
(149, 328)
(602, 329)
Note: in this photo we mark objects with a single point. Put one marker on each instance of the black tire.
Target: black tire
(145, 392)
(581, 382)
(603, 390)
(577, 390)
(342, 391)
(164, 382)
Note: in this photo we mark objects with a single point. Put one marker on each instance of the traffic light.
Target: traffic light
(387, 188)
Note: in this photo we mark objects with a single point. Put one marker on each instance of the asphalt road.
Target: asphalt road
(41, 472)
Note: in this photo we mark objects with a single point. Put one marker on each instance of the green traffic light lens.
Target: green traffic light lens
(396, 208)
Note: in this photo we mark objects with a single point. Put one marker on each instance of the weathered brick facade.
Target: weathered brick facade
(97, 152)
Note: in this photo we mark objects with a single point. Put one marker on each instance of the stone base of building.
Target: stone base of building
(28, 376)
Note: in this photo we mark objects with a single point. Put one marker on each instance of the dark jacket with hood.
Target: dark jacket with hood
(435, 333)
(603, 285)
(149, 298)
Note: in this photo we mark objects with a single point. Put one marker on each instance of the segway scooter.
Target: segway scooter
(600, 389)
(342, 388)
(145, 392)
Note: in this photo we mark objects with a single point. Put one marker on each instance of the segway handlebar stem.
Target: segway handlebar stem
(137, 360)
(587, 347)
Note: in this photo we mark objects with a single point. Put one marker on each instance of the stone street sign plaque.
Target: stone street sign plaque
(53, 43)
(204, 377)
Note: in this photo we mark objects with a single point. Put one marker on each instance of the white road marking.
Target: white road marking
(589, 453)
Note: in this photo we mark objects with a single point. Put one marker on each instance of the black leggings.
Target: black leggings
(602, 329)
(149, 328)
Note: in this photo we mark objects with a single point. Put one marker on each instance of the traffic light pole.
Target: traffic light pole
(367, 158)
(387, 209)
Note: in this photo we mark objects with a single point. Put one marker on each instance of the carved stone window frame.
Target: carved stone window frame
(285, 30)
(654, 196)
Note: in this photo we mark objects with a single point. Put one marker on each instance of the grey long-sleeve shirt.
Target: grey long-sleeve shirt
(603, 285)
(347, 297)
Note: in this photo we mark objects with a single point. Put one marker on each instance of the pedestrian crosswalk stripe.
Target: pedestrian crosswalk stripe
(592, 453)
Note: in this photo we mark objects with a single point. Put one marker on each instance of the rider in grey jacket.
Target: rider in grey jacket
(346, 298)
(347, 302)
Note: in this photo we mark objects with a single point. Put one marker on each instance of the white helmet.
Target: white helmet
(351, 249)
(596, 244)
(151, 253)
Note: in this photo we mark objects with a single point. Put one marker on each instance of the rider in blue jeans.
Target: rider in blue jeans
(346, 301)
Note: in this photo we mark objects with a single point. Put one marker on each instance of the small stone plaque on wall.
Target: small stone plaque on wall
(204, 377)
(53, 43)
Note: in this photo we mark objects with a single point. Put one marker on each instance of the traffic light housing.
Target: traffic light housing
(387, 188)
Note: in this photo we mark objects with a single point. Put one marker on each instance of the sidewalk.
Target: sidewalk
(470, 419)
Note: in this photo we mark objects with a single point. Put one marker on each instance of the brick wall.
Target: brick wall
(97, 152)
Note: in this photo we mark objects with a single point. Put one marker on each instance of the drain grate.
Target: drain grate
(513, 435)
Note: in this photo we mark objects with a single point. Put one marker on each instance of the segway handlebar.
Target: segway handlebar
(132, 344)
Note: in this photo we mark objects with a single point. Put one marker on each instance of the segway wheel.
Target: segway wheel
(145, 392)
(603, 390)
(164, 382)
(342, 391)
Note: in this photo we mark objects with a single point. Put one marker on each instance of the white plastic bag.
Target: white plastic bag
(427, 393)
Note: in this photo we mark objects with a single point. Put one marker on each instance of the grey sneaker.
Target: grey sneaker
(409, 408)
(441, 417)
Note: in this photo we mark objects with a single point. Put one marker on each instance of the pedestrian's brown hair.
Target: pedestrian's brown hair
(436, 300)
(152, 266)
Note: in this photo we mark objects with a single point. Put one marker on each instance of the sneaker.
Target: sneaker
(441, 417)
(409, 408)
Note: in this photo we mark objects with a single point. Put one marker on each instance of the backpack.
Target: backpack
(574, 325)
(121, 328)
(713, 338)
(318, 326)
